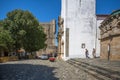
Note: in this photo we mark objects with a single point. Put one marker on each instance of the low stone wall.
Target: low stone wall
(10, 58)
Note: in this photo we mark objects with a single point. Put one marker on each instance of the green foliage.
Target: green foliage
(34, 42)
(6, 41)
(25, 30)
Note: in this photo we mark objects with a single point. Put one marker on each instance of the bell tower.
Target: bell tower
(79, 17)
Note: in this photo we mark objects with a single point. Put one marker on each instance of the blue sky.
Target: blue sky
(43, 10)
(107, 6)
(46, 10)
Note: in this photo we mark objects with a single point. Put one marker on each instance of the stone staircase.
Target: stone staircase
(99, 71)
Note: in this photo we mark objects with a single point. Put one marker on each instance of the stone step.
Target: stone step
(98, 73)
(98, 67)
(104, 71)
(90, 72)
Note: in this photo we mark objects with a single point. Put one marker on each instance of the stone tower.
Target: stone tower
(49, 30)
(79, 27)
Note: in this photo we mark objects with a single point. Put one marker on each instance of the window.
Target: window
(83, 45)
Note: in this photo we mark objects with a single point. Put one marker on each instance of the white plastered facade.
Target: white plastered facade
(79, 16)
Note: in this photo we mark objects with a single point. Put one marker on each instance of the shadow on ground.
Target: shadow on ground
(26, 72)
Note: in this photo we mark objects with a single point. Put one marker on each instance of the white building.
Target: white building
(99, 19)
(80, 28)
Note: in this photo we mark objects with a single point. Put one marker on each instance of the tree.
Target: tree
(6, 41)
(25, 30)
(37, 40)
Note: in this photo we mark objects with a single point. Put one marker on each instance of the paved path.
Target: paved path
(41, 70)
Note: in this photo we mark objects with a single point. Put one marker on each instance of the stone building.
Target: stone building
(99, 18)
(60, 36)
(110, 37)
(49, 29)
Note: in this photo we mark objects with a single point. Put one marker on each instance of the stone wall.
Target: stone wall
(114, 49)
(104, 49)
(9, 58)
(49, 29)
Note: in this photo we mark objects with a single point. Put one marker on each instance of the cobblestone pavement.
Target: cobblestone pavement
(41, 70)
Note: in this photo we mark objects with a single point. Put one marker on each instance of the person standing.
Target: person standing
(94, 53)
(86, 53)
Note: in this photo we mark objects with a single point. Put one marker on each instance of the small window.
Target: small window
(83, 45)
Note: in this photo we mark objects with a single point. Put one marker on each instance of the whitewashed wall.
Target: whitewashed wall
(98, 37)
(79, 17)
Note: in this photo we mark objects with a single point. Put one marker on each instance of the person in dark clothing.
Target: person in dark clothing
(86, 53)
